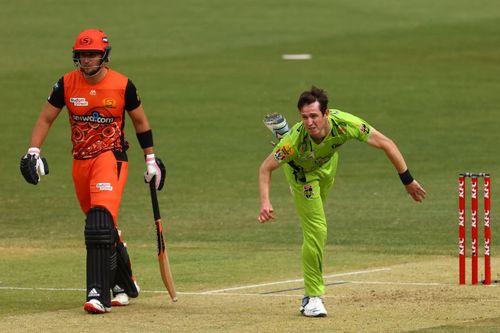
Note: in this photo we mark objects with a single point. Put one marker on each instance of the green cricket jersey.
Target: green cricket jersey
(300, 151)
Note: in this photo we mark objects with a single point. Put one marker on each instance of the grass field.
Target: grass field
(423, 72)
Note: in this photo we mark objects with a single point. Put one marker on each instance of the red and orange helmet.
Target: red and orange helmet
(91, 40)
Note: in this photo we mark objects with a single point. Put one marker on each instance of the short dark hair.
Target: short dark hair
(313, 95)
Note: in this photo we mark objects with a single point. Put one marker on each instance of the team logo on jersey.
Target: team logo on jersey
(93, 92)
(283, 152)
(78, 101)
(308, 191)
(109, 103)
(364, 128)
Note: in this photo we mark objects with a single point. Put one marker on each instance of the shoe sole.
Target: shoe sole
(321, 315)
(116, 303)
(90, 308)
(302, 312)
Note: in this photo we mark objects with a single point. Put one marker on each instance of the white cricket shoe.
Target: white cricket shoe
(120, 296)
(276, 124)
(120, 299)
(313, 307)
(95, 306)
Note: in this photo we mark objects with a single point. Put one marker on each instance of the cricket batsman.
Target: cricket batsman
(308, 153)
(97, 99)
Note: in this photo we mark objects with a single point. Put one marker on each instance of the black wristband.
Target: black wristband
(406, 177)
(145, 139)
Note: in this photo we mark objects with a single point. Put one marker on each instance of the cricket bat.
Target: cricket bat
(166, 273)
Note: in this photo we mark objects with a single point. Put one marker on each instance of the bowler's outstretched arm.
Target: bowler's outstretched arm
(379, 140)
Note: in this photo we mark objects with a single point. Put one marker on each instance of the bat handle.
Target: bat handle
(154, 199)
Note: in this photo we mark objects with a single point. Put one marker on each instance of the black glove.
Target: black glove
(33, 166)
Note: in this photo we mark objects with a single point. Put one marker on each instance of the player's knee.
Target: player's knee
(99, 227)
(315, 229)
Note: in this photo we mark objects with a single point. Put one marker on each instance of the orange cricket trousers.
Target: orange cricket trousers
(99, 181)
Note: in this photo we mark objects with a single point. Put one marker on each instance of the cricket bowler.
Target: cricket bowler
(308, 154)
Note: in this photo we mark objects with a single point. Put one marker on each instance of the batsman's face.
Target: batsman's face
(314, 121)
(90, 62)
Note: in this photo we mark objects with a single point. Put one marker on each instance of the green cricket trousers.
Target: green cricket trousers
(310, 190)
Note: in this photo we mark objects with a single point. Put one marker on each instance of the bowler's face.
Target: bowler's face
(314, 121)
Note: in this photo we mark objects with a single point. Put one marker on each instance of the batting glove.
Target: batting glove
(155, 167)
(33, 166)
(276, 124)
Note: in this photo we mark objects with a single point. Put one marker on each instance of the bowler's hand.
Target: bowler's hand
(416, 191)
(266, 213)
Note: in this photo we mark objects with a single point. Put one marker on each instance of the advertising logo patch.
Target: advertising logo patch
(95, 117)
(94, 293)
(283, 152)
(364, 128)
(104, 186)
(308, 191)
(78, 101)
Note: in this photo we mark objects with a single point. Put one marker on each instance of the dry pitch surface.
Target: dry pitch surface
(423, 297)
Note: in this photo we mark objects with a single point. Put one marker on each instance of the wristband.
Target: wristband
(145, 139)
(406, 177)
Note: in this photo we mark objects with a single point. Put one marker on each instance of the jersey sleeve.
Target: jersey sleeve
(132, 100)
(357, 128)
(284, 151)
(56, 97)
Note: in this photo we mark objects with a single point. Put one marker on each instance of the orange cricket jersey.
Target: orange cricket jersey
(96, 113)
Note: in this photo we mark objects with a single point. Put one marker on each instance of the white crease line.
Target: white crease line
(210, 291)
(42, 289)
(257, 294)
(295, 280)
(396, 283)
(401, 283)
(242, 294)
(359, 272)
(187, 293)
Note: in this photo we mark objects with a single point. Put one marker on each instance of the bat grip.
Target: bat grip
(154, 199)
